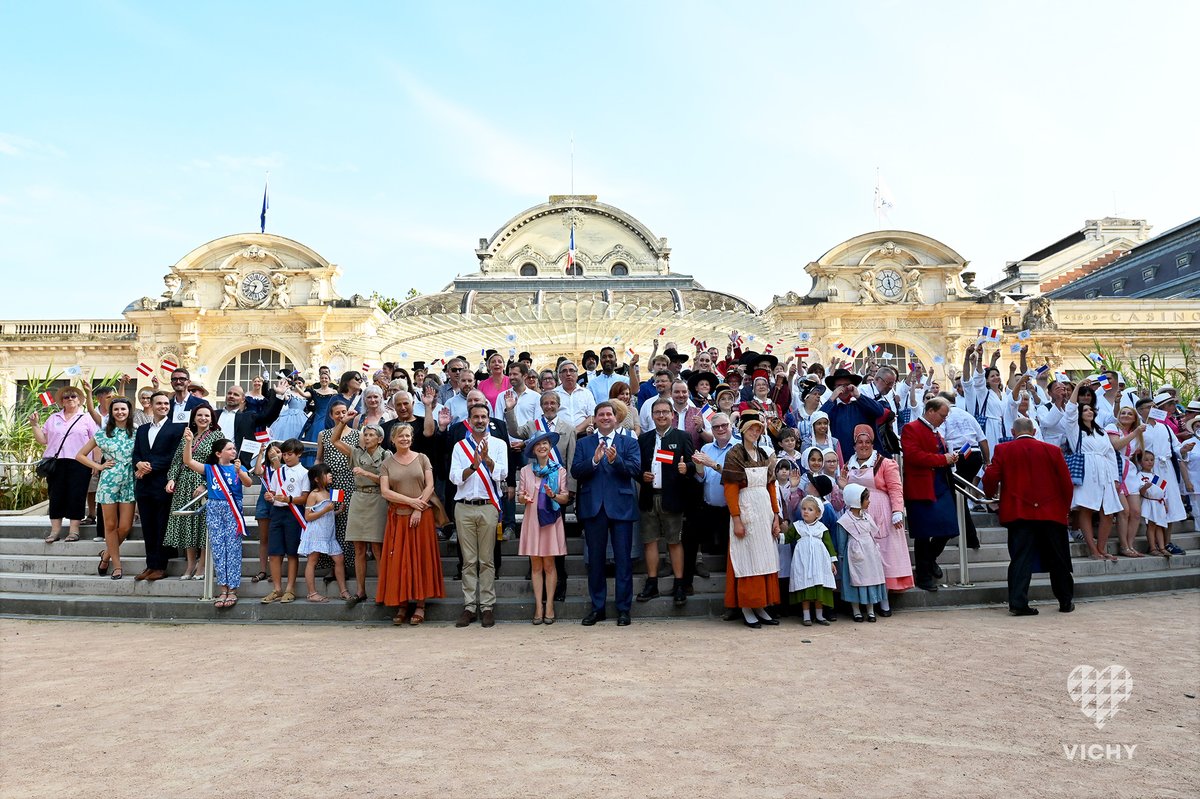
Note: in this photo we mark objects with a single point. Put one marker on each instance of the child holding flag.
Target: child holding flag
(224, 478)
(1154, 502)
(287, 495)
(320, 533)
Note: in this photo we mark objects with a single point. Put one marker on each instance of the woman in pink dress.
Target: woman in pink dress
(496, 382)
(870, 469)
(543, 489)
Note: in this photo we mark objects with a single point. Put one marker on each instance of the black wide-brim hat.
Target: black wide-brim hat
(843, 374)
(674, 356)
(694, 379)
(752, 358)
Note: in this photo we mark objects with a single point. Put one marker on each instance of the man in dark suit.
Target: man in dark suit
(154, 446)
(667, 470)
(605, 468)
(181, 400)
(238, 423)
(1035, 502)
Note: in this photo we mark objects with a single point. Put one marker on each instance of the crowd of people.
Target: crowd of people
(805, 480)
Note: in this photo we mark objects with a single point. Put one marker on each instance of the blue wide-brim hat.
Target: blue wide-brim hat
(539, 437)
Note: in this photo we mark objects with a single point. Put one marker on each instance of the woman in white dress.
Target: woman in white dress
(985, 395)
(1020, 403)
(1098, 494)
(748, 479)
(1126, 437)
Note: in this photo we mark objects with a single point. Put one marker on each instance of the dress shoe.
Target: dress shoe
(593, 617)
(156, 574)
(885, 613)
(702, 570)
(649, 590)
(1027, 611)
(623, 619)
(464, 619)
(822, 622)
(871, 618)
(142, 575)
(679, 596)
(770, 621)
(487, 618)
(1067, 608)
(937, 571)
(753, 625)
(929, 586)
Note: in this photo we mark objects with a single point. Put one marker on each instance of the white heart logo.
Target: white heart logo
(1100, 692)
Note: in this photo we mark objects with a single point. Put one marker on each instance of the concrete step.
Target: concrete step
(1086, 587)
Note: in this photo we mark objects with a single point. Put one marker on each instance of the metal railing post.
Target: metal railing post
(964, 577)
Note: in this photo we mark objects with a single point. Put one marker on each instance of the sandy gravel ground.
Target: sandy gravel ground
(953, 703)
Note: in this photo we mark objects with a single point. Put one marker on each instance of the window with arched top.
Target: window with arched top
(889, 354)
(619, 269)
(244, 367)
(528, 270)
(575, 270)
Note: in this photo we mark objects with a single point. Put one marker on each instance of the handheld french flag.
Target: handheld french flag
(664, 456)
(1041, 370)
(168, 365)
(262, 437)
(1096, 358)
(1158, 482)
(662, 331)
(874, 348)
(1105, 383)
(337, 495)
(964, 449)
(989, 334)
(571, 250)
(707, 412)
(47, 398)
(853, 353)
(629, 352)
(144, 369)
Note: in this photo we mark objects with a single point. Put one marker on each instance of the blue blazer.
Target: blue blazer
(610, 487)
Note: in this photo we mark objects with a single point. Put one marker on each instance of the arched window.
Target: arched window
(899, 357)
(528, 270)
(244, 367)
(619, 269)
(575, 270)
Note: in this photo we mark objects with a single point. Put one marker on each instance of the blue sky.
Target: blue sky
(398, 134)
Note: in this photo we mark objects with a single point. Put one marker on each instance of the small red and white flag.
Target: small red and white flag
(337, 495)
(664, 456)
(47, 398)
(801, 352)
(168, 365)
(629, 352)
(262, 437)
(662, 331)
(144, 369)
(767, 349)
(366, 366)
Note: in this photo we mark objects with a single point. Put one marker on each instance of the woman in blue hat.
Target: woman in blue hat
(543, 489)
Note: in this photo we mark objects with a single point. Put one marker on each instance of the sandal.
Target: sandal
(50, 539)
(220, 601)
(274, 596)
(354, 600)
(258, 578)
(316, 596)
(117, 575)
(401, 615)
(418, 616)
(346, 596)
(232, 600)
(71, 538)
(1130, 552)
(548, 619)
(288, 596)
(102, 569)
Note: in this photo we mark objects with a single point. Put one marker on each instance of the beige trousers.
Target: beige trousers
(476, 526)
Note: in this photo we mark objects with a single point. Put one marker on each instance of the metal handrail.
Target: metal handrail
(187, 509)
(963, 489)
(209, 576)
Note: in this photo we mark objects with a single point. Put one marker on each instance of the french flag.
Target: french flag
(1158, 482)
(337, 495)
(1105, 383)
(989, 334)
(571, 251)
(662, 331)
(707, 412)
(964, 449)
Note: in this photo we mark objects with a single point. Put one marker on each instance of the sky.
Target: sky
(398, 134)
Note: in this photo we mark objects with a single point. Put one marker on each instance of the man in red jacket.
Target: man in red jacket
(1035, 501)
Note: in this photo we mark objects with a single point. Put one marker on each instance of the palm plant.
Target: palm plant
(1151, 370)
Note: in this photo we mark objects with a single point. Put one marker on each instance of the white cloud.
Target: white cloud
(18, 146)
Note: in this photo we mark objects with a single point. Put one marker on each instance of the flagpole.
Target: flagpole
(572, 163)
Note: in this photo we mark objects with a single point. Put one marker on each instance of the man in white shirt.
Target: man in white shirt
(525, 403)
(1050, 416)
(577, 402)
(662, 384)
(959, 429)
(478, 466)
(457, 404)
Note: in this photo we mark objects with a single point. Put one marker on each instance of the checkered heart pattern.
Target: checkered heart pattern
(1100, 692)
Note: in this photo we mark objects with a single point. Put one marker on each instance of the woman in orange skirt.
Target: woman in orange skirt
(410, 570)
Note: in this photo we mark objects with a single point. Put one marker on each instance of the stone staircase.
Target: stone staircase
(60, 580)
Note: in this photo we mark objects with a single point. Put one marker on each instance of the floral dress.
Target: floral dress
(188, 532)
(116, 482)
(343, 478)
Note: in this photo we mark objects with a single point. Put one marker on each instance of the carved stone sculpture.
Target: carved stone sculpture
(280, 297)
(912, 287)
(229, 293)
(1038, 315)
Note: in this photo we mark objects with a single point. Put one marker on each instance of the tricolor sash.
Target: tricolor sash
(291, 505)
(218, 482)
(469, 448)
(543, 425)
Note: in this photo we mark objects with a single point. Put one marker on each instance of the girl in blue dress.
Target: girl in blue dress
(292, 419)
(224, 478)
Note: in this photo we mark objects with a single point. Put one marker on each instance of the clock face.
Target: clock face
(256, 286)
(888, 283)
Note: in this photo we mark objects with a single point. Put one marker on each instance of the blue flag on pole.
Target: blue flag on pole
(262, 218)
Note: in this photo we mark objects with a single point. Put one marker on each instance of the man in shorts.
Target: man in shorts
(667, 475)
(287, 497)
